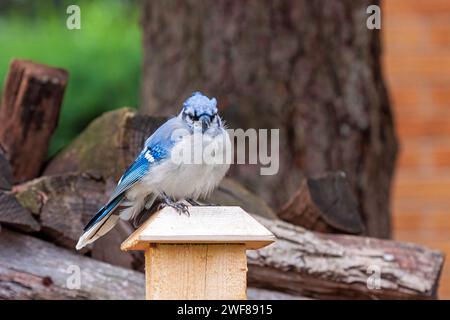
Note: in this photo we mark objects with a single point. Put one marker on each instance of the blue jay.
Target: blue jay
(155, 174)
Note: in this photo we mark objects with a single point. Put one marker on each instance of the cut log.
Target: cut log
(324, 204)
(29, 114)
(328, 266)
(64, 204)
(34, 269)
(13, 214)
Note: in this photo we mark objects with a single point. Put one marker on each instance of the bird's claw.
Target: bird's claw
(181, 208)
(178, 206)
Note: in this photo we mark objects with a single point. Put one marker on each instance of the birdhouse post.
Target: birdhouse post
(200, 256)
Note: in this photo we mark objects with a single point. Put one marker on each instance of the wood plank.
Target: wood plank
(196, 272)
(202, 225)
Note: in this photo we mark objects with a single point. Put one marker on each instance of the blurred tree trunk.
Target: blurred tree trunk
(310, 68)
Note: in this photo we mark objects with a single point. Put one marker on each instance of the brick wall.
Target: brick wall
(416, 35)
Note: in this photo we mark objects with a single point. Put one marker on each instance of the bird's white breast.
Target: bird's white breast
(182, 180)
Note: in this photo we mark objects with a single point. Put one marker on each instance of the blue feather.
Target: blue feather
(103, 212)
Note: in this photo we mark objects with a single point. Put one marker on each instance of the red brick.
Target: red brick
(441, 96)
(441, 157)
(406, 96)
(419, 65)
(423, 7)
(410, 158)
(422, 220)
(404, 37)
(423, 188)
(439, 36)
(424, 127)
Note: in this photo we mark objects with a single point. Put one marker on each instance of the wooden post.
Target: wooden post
(200, 256)
(29, 113)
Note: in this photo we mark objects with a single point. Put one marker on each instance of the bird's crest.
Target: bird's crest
(198, 104)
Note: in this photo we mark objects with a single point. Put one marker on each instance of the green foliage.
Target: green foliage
(103, 58)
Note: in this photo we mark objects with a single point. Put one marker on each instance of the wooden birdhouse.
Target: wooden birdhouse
(200, 256)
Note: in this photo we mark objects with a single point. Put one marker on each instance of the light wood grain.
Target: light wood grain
(203, 225)
(196, 271)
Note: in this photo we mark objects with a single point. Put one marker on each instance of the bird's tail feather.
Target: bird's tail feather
(103, 221)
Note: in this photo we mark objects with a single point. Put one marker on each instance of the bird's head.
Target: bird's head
(200, 113)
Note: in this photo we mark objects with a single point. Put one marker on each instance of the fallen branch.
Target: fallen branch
(34, 269)
(328, 266)
(29, 112)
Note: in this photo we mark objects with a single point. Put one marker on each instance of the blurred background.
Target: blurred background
(416, 37)
(105, 60)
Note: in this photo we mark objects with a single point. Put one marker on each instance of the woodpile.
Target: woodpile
(321, 251)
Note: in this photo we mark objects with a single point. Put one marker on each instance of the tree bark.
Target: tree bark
(34, 269)
(324, 204)
(263, 294)
(5, 172)
(29, 113)
(310, 68)
(328, 266)
(13, 214)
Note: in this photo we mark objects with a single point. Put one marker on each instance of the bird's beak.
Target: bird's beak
(205, 120)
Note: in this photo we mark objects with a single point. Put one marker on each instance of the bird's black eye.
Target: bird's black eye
(189, 116)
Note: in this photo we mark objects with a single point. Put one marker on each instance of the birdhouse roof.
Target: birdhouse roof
(202, 225)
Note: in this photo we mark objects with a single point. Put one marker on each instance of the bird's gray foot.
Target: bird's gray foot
(179, 206)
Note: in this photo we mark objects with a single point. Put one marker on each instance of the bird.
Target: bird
(157, 172)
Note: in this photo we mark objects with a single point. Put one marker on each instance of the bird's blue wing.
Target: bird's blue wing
(157, 148)
(138, 169)
(133, 174)
(162, 137)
